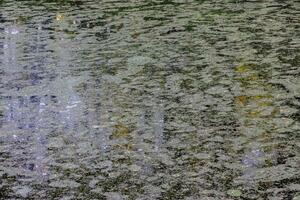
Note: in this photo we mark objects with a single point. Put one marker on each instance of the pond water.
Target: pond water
(158, 99)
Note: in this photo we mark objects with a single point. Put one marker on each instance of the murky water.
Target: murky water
(160, 99)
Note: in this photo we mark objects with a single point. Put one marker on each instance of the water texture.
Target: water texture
(158, 99)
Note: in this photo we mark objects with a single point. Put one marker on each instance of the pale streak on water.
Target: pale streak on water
(95, 113)
(143, 159)
(158, 123)
(25, 112)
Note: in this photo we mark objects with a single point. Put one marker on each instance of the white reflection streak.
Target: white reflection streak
(158, 126)
(141, 129)
(10, 67)
(40, 140)
(70, 103)
(142, 161)
(103, 139)
(39, 134)
(99, 132)
(10, 48)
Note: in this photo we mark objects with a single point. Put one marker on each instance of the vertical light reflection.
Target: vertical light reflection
(70, 102)
(158, 122)
(256, 108)
(96, 113)
(143, 160)
(12, 113)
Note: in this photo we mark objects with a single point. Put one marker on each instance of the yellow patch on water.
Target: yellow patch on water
(59, 17)
(240, 100)
(243, 68)
(253, 77)
(264, 104)
(120, 131)
(253, 114)
(259, 97)
(135, 35)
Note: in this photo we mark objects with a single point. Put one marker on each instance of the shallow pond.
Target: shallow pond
(158, 99)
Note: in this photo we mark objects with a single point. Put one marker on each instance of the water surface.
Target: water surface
(160, 99)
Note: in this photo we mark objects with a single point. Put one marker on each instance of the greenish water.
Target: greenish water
(158, 99)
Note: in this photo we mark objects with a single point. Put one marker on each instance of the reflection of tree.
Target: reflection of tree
(125, 106)
(10, 49)
(70, 103)
(256, 98)
(97, 113)
(24, 113)
(256, 109)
